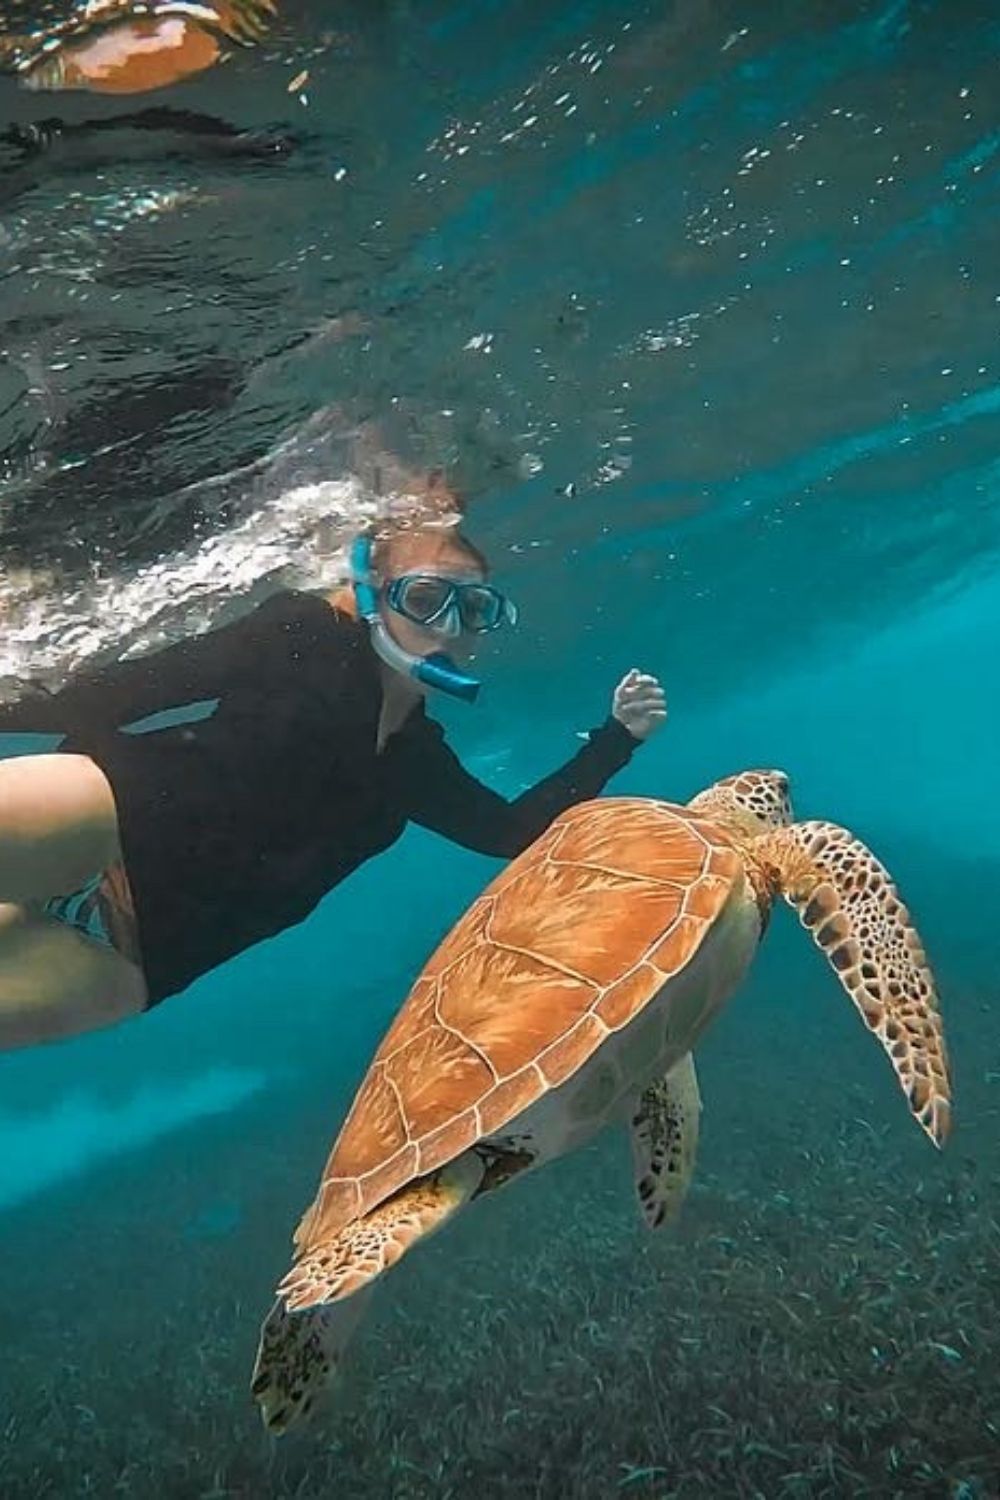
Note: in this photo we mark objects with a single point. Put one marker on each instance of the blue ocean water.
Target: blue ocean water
(699, 302)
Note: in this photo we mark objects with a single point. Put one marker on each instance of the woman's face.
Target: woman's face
(424, 640)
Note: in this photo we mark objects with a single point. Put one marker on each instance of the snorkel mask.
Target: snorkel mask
(430, 601)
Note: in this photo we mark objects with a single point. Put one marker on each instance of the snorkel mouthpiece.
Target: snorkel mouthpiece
(437, 670)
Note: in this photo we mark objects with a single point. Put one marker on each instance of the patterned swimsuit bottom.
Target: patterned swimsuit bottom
(101, 910)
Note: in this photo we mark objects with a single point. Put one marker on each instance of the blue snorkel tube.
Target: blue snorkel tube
(437, 670)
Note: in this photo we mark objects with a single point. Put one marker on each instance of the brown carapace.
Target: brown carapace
(570, 995)
(561, 951)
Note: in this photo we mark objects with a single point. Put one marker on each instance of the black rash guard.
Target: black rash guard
(235, 825)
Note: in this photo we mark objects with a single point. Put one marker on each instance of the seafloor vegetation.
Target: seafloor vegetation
(822, 1323)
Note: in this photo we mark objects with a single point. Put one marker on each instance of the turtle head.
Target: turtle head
(753, 802)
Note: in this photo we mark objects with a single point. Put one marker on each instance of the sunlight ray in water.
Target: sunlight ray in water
(80, 1132)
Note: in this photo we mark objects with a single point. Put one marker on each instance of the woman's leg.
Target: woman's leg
(58, 825)
(54, 982)
(58, 829)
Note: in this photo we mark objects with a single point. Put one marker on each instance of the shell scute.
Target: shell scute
(419, 1013)
(704, 899)
(540, 1004)
(448, 1141)
(465, 935)
(675, 950)
(509, 1098)
(570, 1052)
(545, 847)
(384, 1130)
(387, 1178)
(584, 920)
(635, 839)
(434, 1077)
(623, 1000)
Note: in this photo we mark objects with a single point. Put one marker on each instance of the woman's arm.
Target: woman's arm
(446, 798)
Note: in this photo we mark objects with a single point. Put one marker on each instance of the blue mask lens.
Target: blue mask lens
(427, 599)
(481, 608)
(422, 600)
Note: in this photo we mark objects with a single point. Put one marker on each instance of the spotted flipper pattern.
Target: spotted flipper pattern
(299, 1355)
(664, 1131)
(847, 900)
(322, 1297)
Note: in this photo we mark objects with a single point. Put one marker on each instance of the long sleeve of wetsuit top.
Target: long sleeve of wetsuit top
(447, 799)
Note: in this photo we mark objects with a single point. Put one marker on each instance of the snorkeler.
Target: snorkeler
(140, 855)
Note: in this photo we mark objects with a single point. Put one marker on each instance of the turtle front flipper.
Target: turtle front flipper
(847, 899)
(322, 1298)
(664, 1131)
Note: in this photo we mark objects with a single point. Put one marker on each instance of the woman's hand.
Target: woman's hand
(640, 704)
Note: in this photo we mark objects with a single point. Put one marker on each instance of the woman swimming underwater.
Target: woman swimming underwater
(298, 747)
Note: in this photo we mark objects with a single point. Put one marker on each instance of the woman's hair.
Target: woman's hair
(429, 534)
(403, 550)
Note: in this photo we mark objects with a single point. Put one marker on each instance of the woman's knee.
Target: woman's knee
(55, 983)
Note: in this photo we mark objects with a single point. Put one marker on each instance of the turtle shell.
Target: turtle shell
(563, 949)
(122, 47)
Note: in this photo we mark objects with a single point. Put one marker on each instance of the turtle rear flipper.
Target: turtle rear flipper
(299, 1355)
(847, 899)
(336, 1265)
(322, 1298)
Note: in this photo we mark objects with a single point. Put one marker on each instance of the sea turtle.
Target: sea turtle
(570, 995)
(128, 46)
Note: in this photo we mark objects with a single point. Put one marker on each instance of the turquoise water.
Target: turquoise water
(699, 301)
